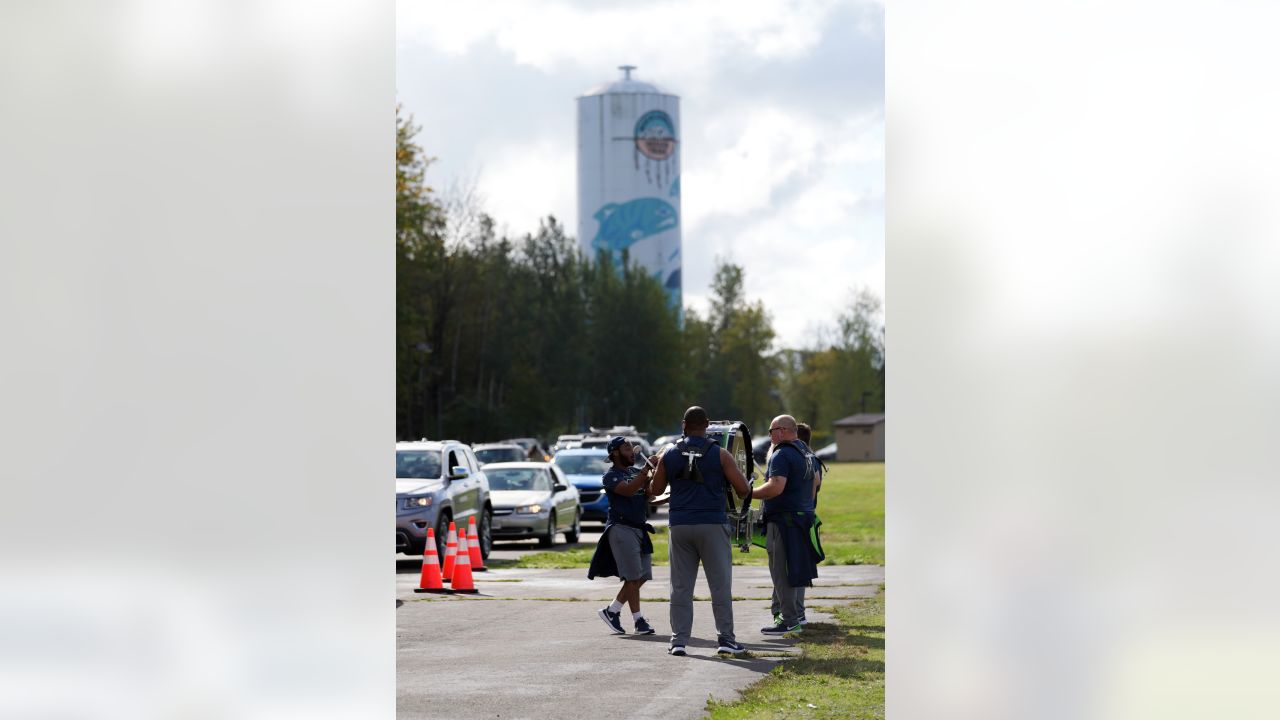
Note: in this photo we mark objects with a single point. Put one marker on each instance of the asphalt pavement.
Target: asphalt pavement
(530, 644)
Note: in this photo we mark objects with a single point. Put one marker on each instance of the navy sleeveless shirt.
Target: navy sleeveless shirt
(692, 502)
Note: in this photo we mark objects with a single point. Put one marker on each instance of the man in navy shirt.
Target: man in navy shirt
(625, 537)
(804, 433)
(699, 471)
(788, 513)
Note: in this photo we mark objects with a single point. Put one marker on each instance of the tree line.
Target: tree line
(504, 337)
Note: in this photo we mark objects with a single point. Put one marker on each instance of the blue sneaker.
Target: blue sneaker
(643, 627)
(729, 647)
(613, 620)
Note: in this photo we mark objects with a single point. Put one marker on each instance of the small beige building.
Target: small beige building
(860, 437)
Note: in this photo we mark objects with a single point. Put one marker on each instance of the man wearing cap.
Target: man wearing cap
(788, 513)
(624, 549)
(699, 471)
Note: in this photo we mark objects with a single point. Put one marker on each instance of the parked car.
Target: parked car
(827, 453)
(438, 481)
(585, 467)
(533, 500)
(665, 440)
(499, 452)
(533, 449)
(566, 441)
(600, 437)
(760, 449)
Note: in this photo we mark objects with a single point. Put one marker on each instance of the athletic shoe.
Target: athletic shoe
(777, 618)
(643, 627)
(729, 647)
(803, 620)
(613, 620)
(780, 629)
(676, 650)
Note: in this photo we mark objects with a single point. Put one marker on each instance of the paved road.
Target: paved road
(531, 646)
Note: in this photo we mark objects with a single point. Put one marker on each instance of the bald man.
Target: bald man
(788, 514)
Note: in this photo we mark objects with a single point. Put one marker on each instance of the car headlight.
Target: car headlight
(533, 509)
(416, 502)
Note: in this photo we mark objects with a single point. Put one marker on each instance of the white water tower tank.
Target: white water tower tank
(629, 177)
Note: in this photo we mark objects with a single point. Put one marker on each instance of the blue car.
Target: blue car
(585, 467)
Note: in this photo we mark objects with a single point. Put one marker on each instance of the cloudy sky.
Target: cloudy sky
(782, 114)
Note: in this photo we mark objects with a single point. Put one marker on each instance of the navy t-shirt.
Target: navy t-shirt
(692, 502)
(622, 508)
(794, 465)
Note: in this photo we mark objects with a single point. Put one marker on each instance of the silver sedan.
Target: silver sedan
(533, 500)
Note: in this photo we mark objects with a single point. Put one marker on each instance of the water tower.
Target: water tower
(629, 177)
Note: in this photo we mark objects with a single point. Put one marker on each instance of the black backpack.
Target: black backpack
(692, 456)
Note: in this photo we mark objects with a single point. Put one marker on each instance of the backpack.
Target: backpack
(810, 459)
(692, 456)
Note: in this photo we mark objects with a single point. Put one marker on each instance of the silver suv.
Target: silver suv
(438, 481)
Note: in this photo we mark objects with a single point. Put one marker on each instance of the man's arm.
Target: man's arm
(731, 471)
(633, 485)
(659, 482)
(817, 483)
(774, 485)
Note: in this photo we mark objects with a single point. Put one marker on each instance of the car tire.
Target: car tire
(549, 540)
(442, 535)
(486, 532)
(572, 533)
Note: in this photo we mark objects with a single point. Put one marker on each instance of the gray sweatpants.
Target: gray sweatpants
(790, 599)
(776, 606)
(709, 544)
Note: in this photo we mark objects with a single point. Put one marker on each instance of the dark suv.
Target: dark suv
(438, 481)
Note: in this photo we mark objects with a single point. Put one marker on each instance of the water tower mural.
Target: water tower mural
(629, 177)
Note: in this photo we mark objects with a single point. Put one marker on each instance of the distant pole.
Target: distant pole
(626, 71)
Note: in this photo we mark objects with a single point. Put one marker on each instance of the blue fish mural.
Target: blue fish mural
(622, 226)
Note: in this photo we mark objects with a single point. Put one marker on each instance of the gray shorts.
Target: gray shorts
(632, 564)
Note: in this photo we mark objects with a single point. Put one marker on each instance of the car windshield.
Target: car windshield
(518, 479)
(493, 455)
(583, 464)
(421, 464)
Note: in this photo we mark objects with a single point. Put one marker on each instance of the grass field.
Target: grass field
(841, 674)
(851, 505)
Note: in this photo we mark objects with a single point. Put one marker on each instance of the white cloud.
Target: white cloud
(680, 36)
(767, 153)
(524, 183)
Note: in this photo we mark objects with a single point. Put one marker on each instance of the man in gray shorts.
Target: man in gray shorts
(699, 470)
(625, 549)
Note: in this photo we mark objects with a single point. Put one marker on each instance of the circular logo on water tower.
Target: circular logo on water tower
(655, 135)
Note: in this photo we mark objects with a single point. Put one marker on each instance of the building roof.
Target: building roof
(860, 420)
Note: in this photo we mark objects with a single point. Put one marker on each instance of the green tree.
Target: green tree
(419, 250)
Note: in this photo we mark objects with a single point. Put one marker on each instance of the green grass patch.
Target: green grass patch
(851, 506)
(841, 672)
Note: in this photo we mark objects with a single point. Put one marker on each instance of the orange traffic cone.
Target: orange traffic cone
(430, 581)
(462, 582)
(473, 546)
(450, 551)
